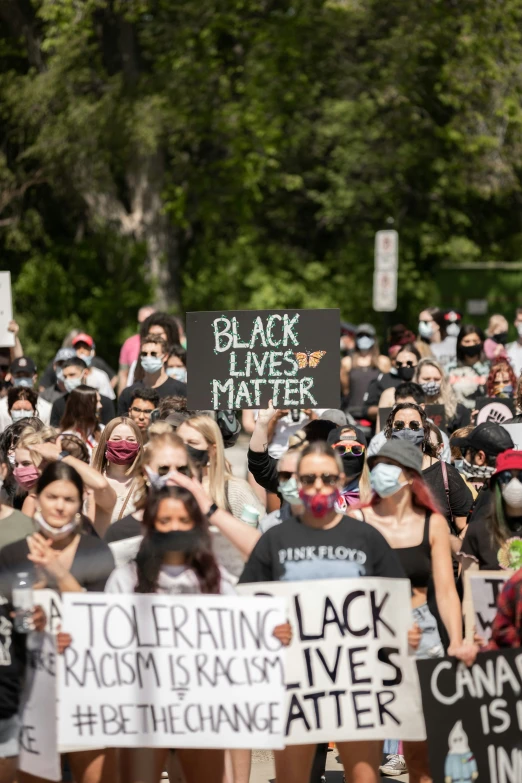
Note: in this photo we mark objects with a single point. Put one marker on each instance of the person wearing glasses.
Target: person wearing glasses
(350, 444)
(335, 546)
(405, 512)
(153, 359)
(142, 402)
(380, 392)
(408, 422)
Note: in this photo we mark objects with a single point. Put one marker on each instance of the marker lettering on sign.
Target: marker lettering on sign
(226, 333)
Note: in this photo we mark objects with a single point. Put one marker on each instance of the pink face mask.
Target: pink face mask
(26, 476)
(121, 452)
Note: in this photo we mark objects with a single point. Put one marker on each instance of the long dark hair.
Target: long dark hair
(464, 332)
(149, 559)
(80, 411)
(60, 471)
(427, 446)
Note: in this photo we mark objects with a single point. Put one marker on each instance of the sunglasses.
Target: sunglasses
(165, 469)
(140, 411)
(143, 354)
(328, 479)
(506, 476)
(413, 425)
(349, 447)
(285, 475)
(405, 364)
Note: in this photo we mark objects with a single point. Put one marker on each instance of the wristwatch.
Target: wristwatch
(212, 510)
(62, 455)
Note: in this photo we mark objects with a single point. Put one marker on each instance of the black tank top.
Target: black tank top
(360, 379)
(416, 560)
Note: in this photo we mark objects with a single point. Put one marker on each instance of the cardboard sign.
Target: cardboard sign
(243, 358)
(348, 674)
(7, 338)
(436, 413)
(473, 717)
(498, 409)
(170, 671)
(38, 707)
(485, 588)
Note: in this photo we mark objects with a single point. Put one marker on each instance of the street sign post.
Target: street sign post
(386, 271)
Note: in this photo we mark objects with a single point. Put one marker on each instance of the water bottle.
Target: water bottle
(250, 515)
(23, 603)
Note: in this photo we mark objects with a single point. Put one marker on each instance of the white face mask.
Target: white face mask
(512, 494)
(56, 533)
(178, 373)
(519, 329)
(157, 481)
(19, 415)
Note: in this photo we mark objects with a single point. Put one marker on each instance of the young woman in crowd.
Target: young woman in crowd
(496, 338)
(408, 423)
(468, 373)
(81, 416)
(21, 403)
(176, 366)
(431, 378)
(28, 464)
(58, 556)
(406, 362)
(501, 381)
(433, 338)
(404, 512)
(359, 369)
(320, 479)
(117, 457)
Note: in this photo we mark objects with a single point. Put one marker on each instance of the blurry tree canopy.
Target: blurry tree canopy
(242, 153)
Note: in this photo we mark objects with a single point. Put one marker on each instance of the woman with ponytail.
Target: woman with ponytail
(403, 510)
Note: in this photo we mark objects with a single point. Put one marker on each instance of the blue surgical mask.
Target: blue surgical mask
(289, 491)
(72, 383)
(87, 359)
(364, 343)
(459, 465)
(152, 364)
(24, 383)
(384, 479)
(426, 329)
(178, 373)
(59, 374)
(19, 415)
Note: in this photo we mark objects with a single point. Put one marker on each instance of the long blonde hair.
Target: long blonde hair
(30, 438)
(219, 470)
(446, 395)
(99, 460)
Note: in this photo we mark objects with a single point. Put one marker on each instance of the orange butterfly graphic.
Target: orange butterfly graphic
(309, 359)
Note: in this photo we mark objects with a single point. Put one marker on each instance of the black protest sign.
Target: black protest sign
(497, 409)
(241, 359)
(474, 717)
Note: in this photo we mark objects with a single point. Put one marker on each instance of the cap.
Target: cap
(83, 338)
(405, 454)
(509, 460)
(348, 328)
(64, 354)
(336, 435)
(24, 364)
(489, 437)
(366, 329)
(452, 316)
(335, 416)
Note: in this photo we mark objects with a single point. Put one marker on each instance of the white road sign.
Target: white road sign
(386, 270)
(7, 339)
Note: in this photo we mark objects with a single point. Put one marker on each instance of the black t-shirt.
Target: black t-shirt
(171, 388)
(107, 410)
(385, 380)
(479, 545)
(460, 497)
(293, 551)
(92, 565)
(126, 527)
(12, 662)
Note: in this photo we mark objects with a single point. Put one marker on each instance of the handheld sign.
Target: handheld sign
(171, 671)
(7, 338)
(348, 673)
(243, 358)
(485, 588)
(474, 717)
(497, 409)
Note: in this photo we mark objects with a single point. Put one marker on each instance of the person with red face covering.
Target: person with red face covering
(118, 457)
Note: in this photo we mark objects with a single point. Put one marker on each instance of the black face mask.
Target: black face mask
(412, 436)
(471, 350)
(501, 338)
(406, 373)
(352, 466)
(198, 456)
(187, 541)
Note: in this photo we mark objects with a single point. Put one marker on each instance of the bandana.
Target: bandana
(477, 471)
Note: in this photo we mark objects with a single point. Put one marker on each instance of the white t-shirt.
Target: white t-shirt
(43, 411)
(173, 580)
(445, 351)
(98, 379)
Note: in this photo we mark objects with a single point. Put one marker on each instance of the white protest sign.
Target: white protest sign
(485, 589)
(38, 710)
(170, 671)
(515, 431)
(7, 338)
(348, 674)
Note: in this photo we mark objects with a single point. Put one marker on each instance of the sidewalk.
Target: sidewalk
(263, 769)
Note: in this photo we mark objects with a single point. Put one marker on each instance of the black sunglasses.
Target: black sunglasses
(405, 364)
(328, 479)
(506, 476)
(413, 425)
(165, 469)
(285, 475)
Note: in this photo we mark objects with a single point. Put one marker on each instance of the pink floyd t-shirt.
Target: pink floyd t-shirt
(293, 551)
